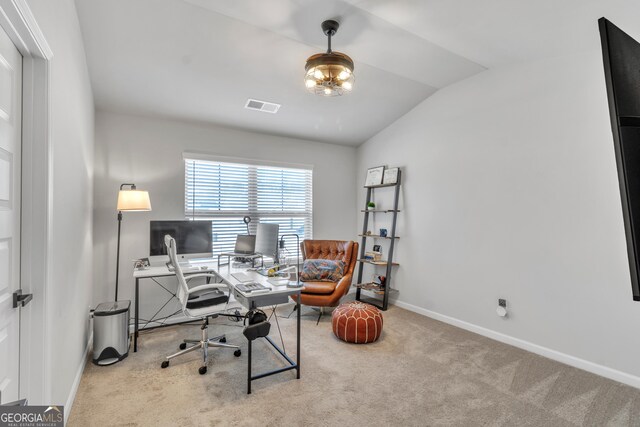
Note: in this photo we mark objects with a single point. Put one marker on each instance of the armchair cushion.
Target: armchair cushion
(322, 270)
(319, 288)
(206, 298)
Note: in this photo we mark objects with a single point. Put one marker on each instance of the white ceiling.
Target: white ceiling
(199, 60)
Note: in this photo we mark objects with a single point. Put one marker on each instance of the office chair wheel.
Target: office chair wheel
(223, 339)
(164, 364)
(237, 353)
(183, 346)
(202, 370)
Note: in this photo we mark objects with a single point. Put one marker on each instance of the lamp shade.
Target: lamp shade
(134, 200)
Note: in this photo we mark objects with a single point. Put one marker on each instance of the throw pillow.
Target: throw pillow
(323, 270)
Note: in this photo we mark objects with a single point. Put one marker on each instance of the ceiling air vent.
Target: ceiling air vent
(266, 107)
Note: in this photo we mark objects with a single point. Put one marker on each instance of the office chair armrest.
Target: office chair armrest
(193, 276)
(206, 285)
(210, 286)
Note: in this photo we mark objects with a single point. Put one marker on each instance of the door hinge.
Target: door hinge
(21, 299)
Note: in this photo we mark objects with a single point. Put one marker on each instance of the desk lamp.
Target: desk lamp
(247, 220)
(129, 200)
(282, 246)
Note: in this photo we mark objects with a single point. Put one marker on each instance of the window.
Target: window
(226, 192)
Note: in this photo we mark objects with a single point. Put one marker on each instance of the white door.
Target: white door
(10, 149)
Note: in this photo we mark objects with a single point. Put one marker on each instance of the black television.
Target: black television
(621, 54)
(193, 238)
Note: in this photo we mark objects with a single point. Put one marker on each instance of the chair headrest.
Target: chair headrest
(169, 241)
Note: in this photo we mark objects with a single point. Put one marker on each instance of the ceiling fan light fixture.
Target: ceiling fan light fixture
(330, 73)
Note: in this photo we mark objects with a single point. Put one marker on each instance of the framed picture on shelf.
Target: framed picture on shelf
(374, 176)
(390, 176)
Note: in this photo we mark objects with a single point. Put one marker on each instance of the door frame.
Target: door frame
(17, 20)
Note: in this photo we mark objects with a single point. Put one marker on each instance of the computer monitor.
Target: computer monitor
(267, 240)
(245, 244)
(193, 238)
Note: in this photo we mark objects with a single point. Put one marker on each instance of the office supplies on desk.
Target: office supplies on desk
(241, 277)
(141, 264)
(186, 268)
(286, 276)
(252, 287)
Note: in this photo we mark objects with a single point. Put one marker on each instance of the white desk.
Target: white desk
(250, 300)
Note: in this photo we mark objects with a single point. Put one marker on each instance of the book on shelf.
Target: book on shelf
(373, 256)
(371, 286)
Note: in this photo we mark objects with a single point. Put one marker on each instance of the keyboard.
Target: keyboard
(252, 288)
(241, 277)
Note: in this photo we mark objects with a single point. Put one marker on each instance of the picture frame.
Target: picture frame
(374, 176)
(390, 176)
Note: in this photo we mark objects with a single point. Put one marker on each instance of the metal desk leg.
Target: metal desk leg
(135, 328)
(298, 340)
(249, 367)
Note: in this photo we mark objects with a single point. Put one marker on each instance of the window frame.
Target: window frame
(252, 197)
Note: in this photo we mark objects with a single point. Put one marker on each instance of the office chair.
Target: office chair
(199, 302)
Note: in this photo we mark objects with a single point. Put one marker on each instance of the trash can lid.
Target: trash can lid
(111, 308)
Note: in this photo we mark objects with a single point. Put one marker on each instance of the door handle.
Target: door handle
(21, 299)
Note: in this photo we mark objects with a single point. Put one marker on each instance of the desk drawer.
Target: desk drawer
(260, 300)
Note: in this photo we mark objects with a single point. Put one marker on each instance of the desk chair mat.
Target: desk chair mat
(207, 298)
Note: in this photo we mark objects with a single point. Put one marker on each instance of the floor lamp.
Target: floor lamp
(129, 200)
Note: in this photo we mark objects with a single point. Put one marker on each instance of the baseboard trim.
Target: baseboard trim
(567, 359)
(76, 381)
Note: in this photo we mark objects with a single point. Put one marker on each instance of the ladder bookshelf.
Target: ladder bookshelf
(382, 293)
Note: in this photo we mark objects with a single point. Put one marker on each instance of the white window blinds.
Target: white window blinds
(226, 192)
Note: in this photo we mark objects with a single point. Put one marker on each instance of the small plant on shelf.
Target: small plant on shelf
(371, 206)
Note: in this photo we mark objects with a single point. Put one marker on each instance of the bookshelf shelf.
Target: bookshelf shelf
(377, 236)
(379, 263)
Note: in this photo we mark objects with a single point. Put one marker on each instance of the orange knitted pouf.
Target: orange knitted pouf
(357, 322)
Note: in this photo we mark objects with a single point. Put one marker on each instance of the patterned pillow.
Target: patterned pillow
(323, 270)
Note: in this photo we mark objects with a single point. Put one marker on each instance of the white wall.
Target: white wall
(72, 137)
(148, 152)
(511, 191)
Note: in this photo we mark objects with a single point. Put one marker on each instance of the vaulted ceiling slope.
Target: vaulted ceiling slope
(200, 60)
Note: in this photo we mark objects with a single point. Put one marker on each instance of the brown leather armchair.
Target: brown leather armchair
(328, 294)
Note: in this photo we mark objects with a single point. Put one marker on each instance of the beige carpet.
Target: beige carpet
(421, 372)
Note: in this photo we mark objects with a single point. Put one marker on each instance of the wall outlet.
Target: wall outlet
(502, 302)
